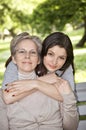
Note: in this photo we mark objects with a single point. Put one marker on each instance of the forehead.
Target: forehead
(27, 43)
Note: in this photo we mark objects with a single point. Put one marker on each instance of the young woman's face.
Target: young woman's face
(55, 58)
(26, 56)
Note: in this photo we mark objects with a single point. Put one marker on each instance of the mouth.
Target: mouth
(52, 66)
(26, 62)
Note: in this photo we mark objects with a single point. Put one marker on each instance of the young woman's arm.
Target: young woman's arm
(69, 112)
(10, 75)
(53, 90)
(68, 107)
(21, 88)
(68, 75)
(9, 97)
(15, 95)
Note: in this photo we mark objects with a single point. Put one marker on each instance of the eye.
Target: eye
(50, 53)
(33, 52)
(21, 51)
(62, 58)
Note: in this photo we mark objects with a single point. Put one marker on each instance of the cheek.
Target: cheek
(14, 59)
(64, 61)
(36, 61)
(61, 63)
(17, 60)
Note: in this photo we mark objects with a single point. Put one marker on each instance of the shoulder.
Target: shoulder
(11, 74)
(68, 75)
(11, 65)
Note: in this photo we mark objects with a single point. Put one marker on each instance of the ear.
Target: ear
(13, 59)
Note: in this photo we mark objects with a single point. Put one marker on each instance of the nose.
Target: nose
(27, 55)
(55, 60)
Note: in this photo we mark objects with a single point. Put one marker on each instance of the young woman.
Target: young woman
(49, 114)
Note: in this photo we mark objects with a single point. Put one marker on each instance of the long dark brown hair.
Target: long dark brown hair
(62, 40)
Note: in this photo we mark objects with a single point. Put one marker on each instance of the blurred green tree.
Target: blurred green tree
(14, 15)
(53, 15)
(48, 16)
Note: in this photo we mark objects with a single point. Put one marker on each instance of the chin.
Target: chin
(51, 71)
(27, 71)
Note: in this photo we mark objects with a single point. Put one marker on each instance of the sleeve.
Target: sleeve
(10, 75)
(68, 75)
(69, 112)
(3, 114)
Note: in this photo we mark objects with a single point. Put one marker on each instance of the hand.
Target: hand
(63, 86)
(49, 78)
(20, 86)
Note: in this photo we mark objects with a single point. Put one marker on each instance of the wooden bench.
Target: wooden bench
(81, 102)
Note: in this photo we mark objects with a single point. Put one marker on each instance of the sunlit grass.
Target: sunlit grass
(79, 56)
(80, 65)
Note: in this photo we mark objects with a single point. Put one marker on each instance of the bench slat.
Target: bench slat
(81, 91)
(81, 97)
(82, 109)
(82, 125)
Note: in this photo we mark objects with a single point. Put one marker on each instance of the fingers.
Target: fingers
(11, 87)
(11, 90)
(63, 86)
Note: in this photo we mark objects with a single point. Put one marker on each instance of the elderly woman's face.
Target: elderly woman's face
(26, 56)
(55, 58)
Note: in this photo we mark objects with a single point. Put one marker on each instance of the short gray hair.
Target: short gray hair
(22, 36)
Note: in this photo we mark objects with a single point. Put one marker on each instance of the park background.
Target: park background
(41, 18)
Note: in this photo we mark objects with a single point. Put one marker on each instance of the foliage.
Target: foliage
(11, 17)
(52, 15)
(42, 16)
(15, 15)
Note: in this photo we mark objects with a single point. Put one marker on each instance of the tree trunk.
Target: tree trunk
(83, 39)
(12, 32)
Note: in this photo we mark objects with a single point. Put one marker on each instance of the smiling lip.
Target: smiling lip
(52, 67)
(26, 62)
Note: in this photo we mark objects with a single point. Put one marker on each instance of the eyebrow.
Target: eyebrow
(25, 49)
(54, 53)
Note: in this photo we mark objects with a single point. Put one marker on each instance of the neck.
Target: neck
(31, 75)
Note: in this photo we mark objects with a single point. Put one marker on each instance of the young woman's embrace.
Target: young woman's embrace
(39, 99)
